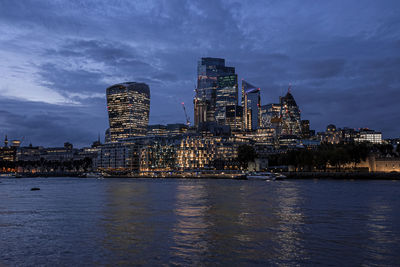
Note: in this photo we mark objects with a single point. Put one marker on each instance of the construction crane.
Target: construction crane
(186, 116)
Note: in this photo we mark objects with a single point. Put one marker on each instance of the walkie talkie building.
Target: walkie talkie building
(128, 106)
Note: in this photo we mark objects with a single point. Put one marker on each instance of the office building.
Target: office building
(269, 114)
(367, 135)
(251, 108)
(128, 106)
(216, 89)
(290, 115)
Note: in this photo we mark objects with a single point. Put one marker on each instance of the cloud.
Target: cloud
(341, 57)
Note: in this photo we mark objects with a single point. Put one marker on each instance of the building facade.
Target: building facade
(216, 89)
(290, 115)
(252, 105)
(128, 106)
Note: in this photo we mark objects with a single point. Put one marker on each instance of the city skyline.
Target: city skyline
(54, 78)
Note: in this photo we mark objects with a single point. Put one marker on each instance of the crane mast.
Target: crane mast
(186, 116)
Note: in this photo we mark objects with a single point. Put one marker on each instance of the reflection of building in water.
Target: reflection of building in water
(378, 229)
(291, 220)
(191, 226)
(131, 234)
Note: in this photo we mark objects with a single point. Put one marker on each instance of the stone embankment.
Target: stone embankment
(344, 175)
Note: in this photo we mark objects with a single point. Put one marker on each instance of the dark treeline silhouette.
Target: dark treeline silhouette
(246, 154)
(331, 156)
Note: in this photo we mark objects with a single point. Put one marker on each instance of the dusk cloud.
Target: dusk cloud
(58, 57)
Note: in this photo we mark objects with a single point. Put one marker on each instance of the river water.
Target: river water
(72, 222)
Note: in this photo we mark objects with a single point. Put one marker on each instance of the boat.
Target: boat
(264, 176)
(279, 176)
(91, 175)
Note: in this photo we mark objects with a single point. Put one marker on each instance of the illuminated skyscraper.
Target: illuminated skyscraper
(216, 91)
(251, 102)
(128, 106)
(269, 115)
(290, 115)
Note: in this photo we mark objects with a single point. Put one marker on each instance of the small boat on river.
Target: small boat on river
(265, 176)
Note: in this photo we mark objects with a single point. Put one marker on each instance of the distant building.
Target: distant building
(107, 136)
(7, 154)
(128, 107)
(120, 156)
(216, 89)
(167, 130)
(234, 118)
(331, 135)
(305, 129)
(30, 153)
(269, 114)
(251, 108)
(157, 130)
(226, 96)
(367, 135)
(347, 135)
(290, 115)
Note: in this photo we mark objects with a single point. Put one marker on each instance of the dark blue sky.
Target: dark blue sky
(58, 57)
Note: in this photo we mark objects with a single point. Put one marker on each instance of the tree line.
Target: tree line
(335, 156)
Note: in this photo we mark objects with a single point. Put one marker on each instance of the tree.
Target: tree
(246, 154)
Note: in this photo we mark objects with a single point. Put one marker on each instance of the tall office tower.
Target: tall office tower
(305, 129)
(234, 118)
(252, 104)
(226, 96)
(128, 107)
(269, 114)
(216, 90)
(290, 115)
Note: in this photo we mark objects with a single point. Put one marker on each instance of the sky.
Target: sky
(58, 57)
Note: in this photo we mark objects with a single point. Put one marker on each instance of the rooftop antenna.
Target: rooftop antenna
(290, 88)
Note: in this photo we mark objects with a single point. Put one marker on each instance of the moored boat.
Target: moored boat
(91, 175)
(261, 176)
(265, 176)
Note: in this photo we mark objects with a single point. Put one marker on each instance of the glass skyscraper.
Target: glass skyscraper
(251, 110)
(128, 106)
(216, 91)
(290, 115)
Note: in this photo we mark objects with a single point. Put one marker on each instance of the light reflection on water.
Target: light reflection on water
(199, 222)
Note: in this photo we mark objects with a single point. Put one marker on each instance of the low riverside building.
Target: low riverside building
(386, 165)
(159, 154)
(376, 164)
(213, 153)
(176, 153)
(120, 156)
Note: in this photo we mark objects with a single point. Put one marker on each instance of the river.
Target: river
(73, 222)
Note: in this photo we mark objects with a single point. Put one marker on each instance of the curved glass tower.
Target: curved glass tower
(128, 106)
(290, 115)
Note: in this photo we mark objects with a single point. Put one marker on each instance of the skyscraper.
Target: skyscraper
(216, 90)
(290, 115)
(252, 103)
(128, 106)
(270, 113)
